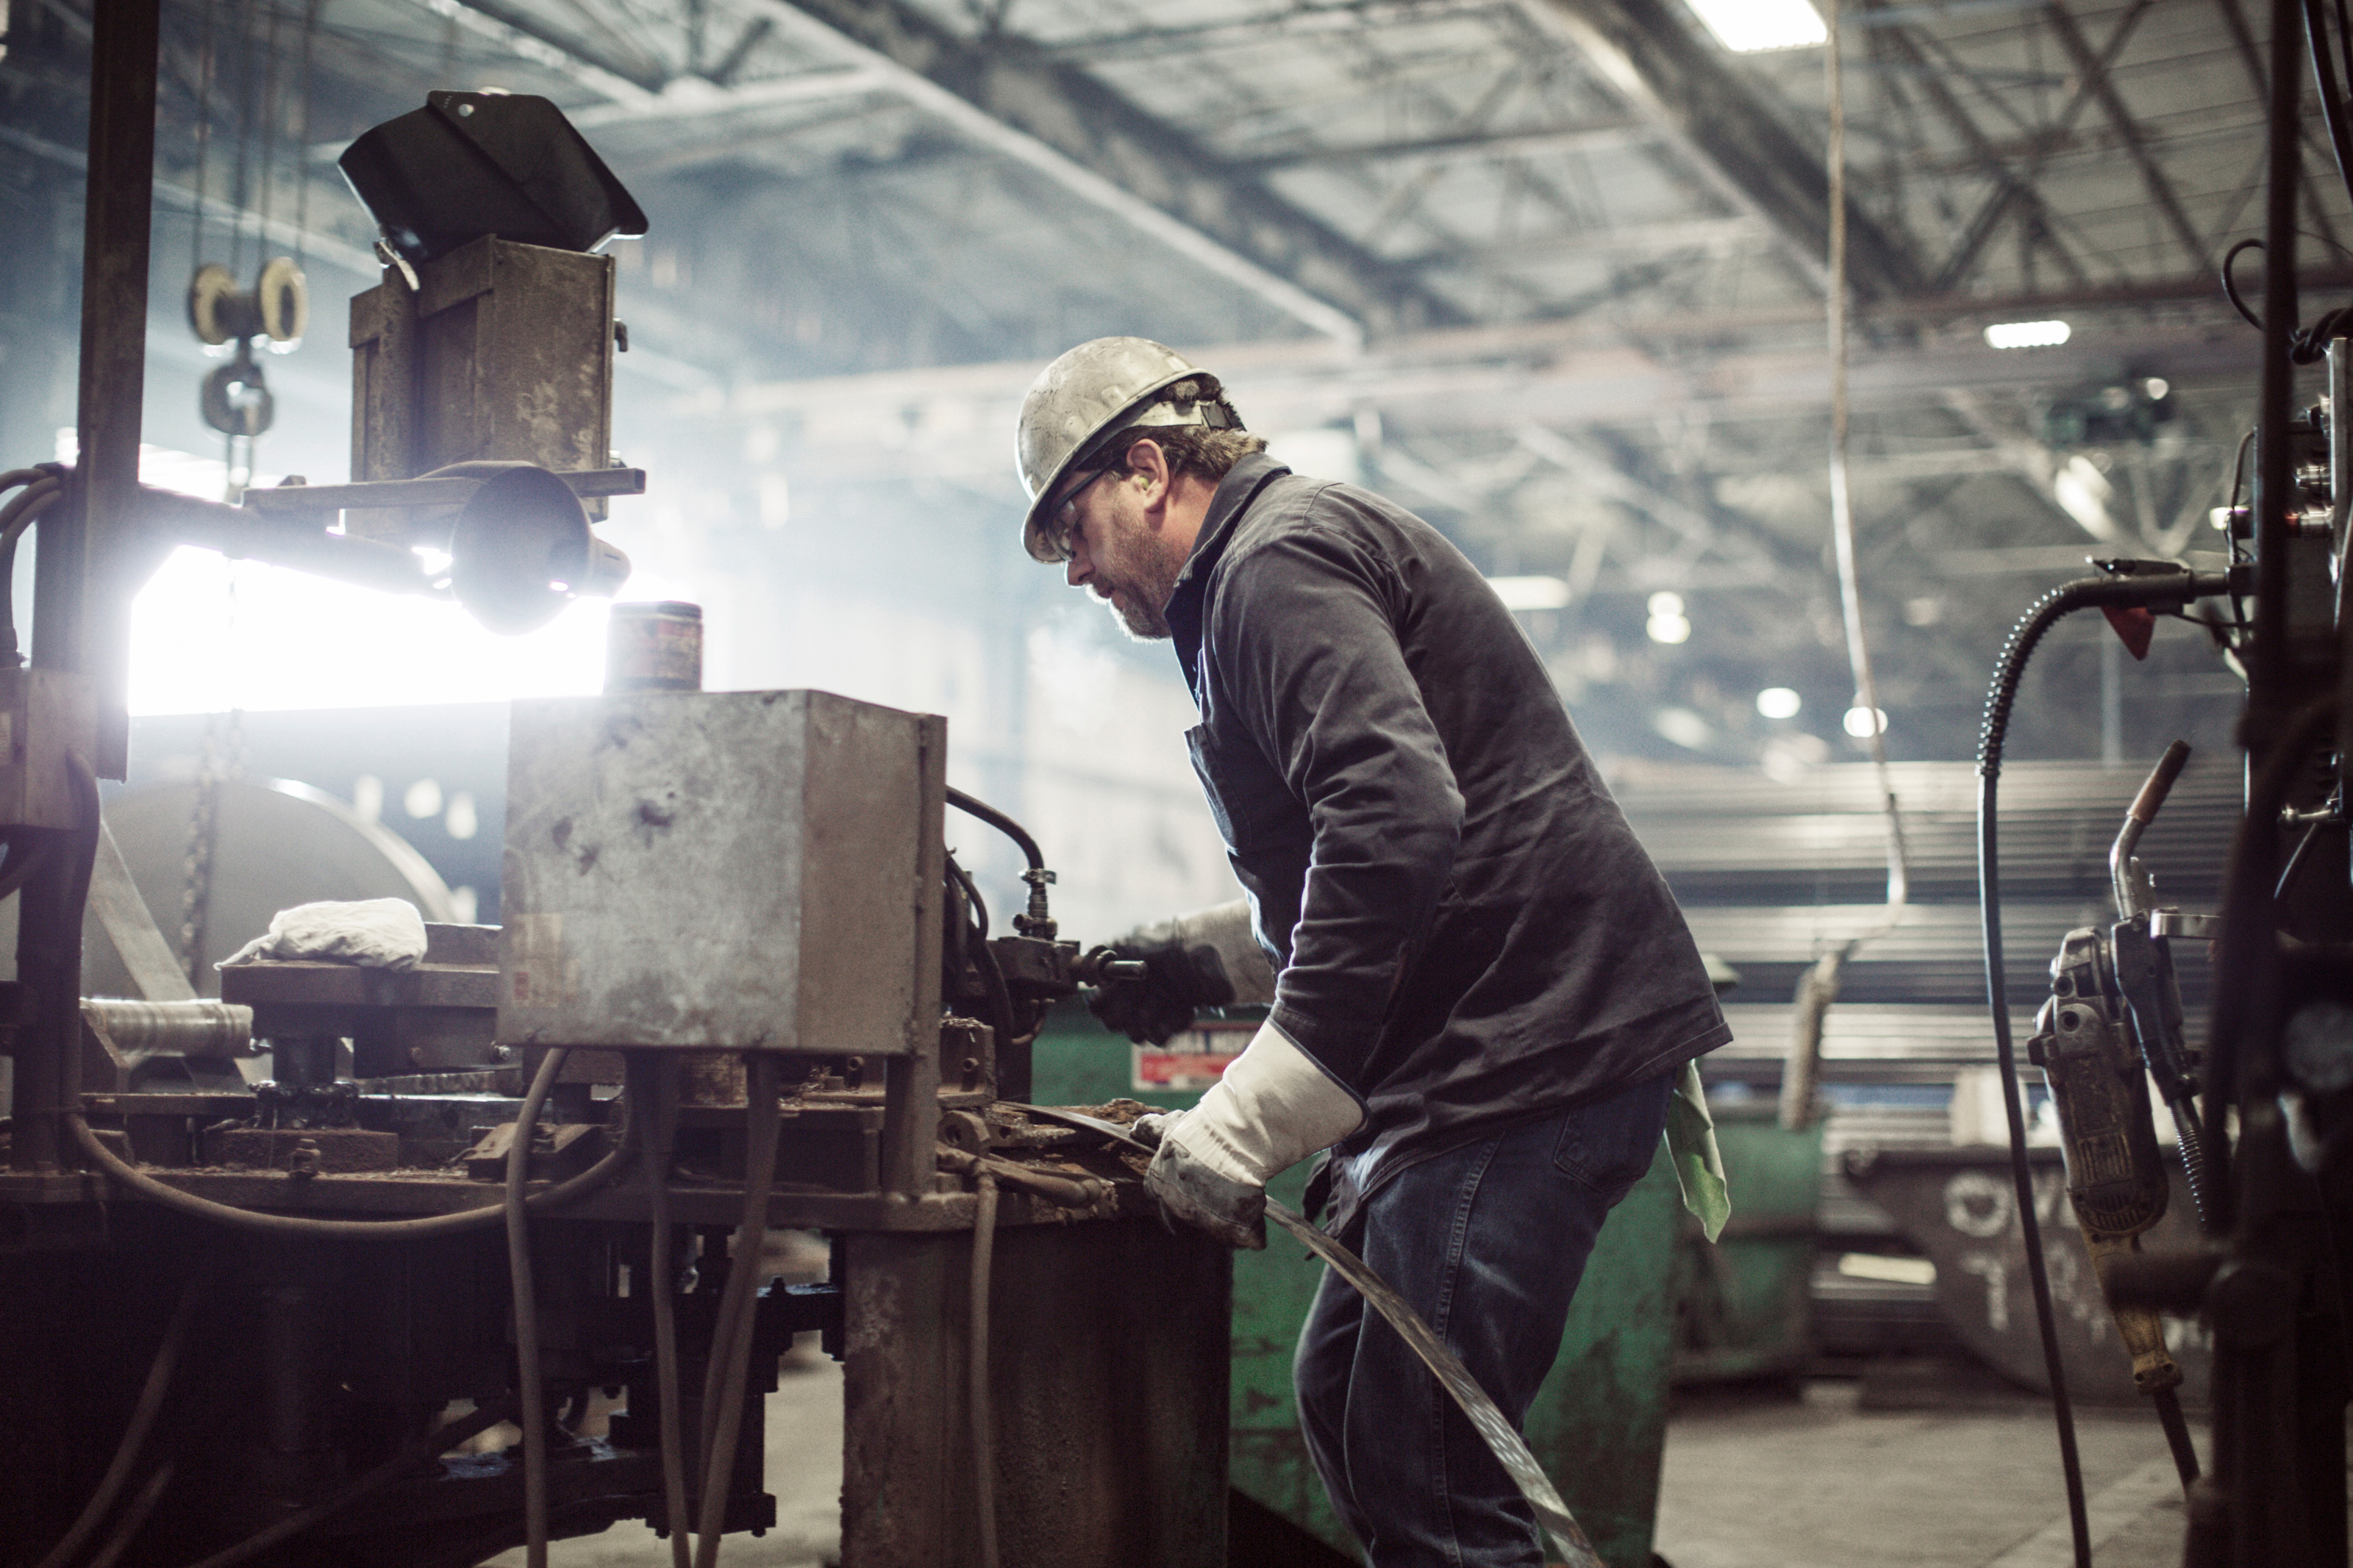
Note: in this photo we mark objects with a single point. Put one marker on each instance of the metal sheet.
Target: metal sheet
(1511, 1450)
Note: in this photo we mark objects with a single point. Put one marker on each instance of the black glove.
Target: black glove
(1176, 982)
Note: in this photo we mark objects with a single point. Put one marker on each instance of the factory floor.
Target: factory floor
(1754, 1478)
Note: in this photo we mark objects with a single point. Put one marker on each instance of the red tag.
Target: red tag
(2134, 623)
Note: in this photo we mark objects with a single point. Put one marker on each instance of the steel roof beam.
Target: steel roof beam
(2019, 189)
(2096, 75)
(1988, 218)
(1651, 58)
(1012, 97)
(1595, 136)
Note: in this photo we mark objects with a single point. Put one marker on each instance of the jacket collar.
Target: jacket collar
(1235, 492)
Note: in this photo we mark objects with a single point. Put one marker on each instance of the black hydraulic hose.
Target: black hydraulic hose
(963, 879)
(422, 1452)
(984, 1445)
(134, 1517)
(654, 1080)
(1002, 823)
(739, 1307)
(2047, 612)
(135, 1431)
(2332, 99)
(529, 1384)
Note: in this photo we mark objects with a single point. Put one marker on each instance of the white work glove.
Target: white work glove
(375, 934)
(1272, 1108)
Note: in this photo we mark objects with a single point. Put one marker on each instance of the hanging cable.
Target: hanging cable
(1820, 987)
(529, 1390)
(135, 1431)
(739, 1307)
(983, 1443)
(134, 1517)
(417, 1456)
(203, 137)
(259, 1222)
(302, 158)
(653, 1080)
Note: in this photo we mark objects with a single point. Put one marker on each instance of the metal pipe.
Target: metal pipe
(76, 587)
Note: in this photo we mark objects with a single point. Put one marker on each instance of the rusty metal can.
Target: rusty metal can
(655, 646)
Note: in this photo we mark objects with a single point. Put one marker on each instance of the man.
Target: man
(1483, 991)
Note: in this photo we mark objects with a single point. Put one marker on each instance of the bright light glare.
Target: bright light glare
(1779, 702)
(209, 634)
(2027, 334)
(1683, 727)
(1668, 623)
(1530, 593)
(1858, 723)
(1748, 27)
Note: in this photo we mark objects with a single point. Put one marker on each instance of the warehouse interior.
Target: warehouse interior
(1792, 371)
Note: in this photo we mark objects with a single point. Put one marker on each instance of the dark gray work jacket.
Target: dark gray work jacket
(1464, 930)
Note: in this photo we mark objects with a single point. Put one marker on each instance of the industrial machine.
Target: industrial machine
(2263, 1112)
(268, 1315)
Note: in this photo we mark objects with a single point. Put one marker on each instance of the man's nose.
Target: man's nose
(1078, 571)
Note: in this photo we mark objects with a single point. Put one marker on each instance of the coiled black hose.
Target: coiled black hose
(2174, 588)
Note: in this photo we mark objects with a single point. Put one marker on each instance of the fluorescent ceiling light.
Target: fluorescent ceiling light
(1530, 593)
(1779, 702)
(2027, 334)
(1749, 26)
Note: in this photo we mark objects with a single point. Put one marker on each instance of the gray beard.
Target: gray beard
(1142, 623)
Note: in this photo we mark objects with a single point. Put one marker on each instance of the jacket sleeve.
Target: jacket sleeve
(1312, 662)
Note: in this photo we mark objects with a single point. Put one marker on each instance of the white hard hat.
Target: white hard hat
(1099, 389)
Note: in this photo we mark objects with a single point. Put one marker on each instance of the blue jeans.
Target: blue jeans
(1488, 1242)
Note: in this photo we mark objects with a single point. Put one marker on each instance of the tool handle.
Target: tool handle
(2161, 784)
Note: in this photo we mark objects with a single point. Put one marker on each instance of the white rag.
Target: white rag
(375, 934)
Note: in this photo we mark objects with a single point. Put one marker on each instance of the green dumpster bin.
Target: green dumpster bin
(1597, 1426)
(1745, 1305)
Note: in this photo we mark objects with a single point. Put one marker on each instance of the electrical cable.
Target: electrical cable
(14, 518)
(984, 1447)
(260, 1222)
(425, 1449)
(2307, 346)
(1002, 823)
(529, 1384)
(963, 878)
(2332, 98)
(1820, 987)
(134, 1517)
(2008, 669)
(654, 1079)
(142, 1423)
(739, 1305)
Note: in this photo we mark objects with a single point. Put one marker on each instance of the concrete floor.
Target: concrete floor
(804, 1474)
(1752, 1480)
(1761, 1481)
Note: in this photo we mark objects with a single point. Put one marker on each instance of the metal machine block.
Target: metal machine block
(502, 352)
(43, 714)
(743, 870)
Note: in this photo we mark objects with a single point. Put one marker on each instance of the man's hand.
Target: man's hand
(1273, 1108)
(1178, 981)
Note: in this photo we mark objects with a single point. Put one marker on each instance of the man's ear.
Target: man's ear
(1145, 457)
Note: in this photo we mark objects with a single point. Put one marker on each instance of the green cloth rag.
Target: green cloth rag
(1699, 1164)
